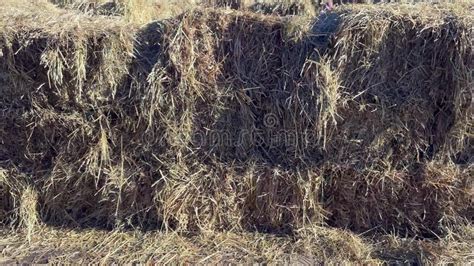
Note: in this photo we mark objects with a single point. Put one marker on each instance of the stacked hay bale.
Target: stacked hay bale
(411, 81)
(234, 121)
(59, 78)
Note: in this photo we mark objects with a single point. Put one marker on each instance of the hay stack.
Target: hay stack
(58, 78)
(411, 83)
(219, 120)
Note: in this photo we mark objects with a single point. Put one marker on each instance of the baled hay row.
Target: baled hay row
(228, 120)
(56, 55)
(385, 142)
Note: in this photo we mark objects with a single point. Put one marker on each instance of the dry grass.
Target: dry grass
(317, 245)
(66, 246)
(135, 11)
(217, 123)
(143, 11)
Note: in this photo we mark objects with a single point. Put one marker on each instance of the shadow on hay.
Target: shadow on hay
(284, 9)
(241, 146)
(214, 141)
(47, 136)
(268, 95)
(250, 120)
(133, 207)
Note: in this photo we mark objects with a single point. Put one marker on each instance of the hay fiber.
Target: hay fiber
(229, 121)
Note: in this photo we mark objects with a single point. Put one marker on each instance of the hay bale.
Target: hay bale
(433, 199)
(59, 79)
(218, 120)
(414, 116)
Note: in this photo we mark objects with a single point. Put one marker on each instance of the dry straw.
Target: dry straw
(371, 124)
(316, 245)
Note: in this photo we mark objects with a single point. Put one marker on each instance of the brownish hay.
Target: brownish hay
(422, 119)
(286, 8)
(142, 11)
(316, 245)
(91, 246)
(228, 121)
